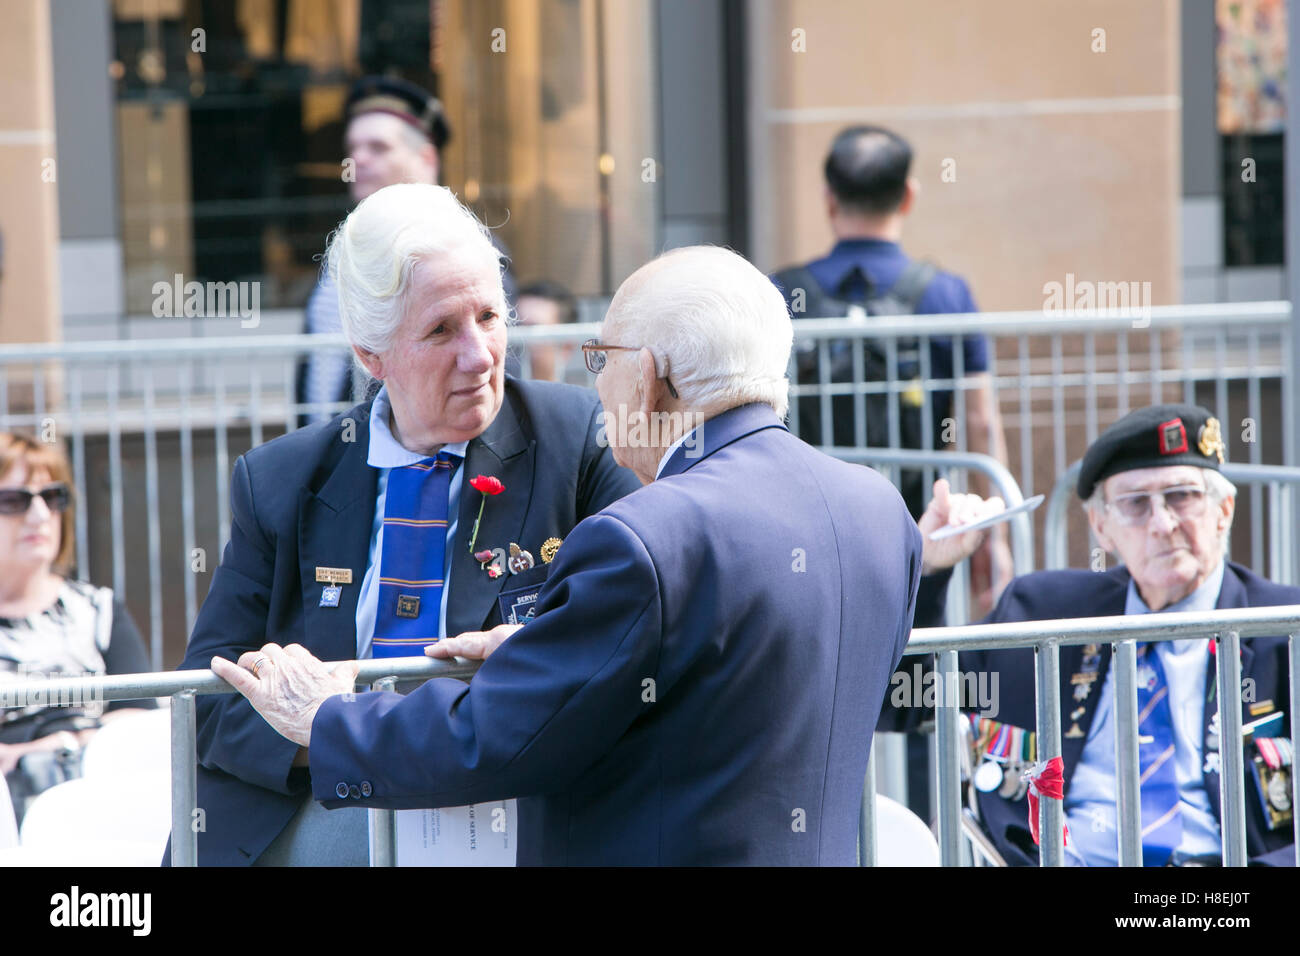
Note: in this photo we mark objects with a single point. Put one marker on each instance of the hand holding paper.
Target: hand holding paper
(952, 511)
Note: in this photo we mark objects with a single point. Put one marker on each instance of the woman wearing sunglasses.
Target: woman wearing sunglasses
(51, 624)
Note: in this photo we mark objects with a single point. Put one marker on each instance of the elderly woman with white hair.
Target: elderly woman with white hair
(434, 509)
(709, 656)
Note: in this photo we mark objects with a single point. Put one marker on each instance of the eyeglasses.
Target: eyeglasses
(1184, 501)
(16, 501)
(593, 352)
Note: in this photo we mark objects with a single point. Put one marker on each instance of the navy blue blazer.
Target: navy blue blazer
(700, 683)
(307, 500)
(1045, 595)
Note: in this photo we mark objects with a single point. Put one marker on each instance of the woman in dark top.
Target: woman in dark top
(51, 625)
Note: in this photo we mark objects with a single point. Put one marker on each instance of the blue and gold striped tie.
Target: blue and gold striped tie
(411, 563)
(1162, 820)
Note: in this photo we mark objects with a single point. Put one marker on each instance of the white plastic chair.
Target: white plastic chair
(130, 745)
(107, 853)
(93, 811)
(902, 838)
(8, 822)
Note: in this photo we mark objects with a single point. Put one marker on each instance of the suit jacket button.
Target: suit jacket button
(366, 789)
(342, 790)
(354, 792)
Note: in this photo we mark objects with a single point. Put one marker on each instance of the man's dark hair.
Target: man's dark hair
(867, 168)
(553, 292)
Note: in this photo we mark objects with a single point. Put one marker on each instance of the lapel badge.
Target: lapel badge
(549, 547)
(329, 595)
(1077, 713)
(1074, 731)
(333, 575)
(491, 560)
(1081, 691)
(408, 605)
(520, 560)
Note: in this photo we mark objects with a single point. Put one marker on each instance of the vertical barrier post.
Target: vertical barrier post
(383, 823)
(185, 838)
(1232, 783)
(867, 815)
(946, 716)
(1293, 647)
(1128, 806)
(1051, 813)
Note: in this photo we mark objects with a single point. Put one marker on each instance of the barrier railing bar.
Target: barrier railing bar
(946, 716)
(1232, 784)
(1051, 813)
(1022, 528)
(1128, 804)
(1293, 656)
(867, 813)
(383, 823)
(185, 829)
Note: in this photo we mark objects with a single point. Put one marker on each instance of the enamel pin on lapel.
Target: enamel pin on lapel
(549, 547)
(520, 560)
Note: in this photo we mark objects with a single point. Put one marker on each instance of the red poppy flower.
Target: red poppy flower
(487, 484)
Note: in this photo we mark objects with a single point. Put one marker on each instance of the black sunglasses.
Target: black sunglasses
(16, 501)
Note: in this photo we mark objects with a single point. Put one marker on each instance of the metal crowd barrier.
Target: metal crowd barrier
(1279, 483)
(1045, 637)
(1059, 373)
(1123, 633)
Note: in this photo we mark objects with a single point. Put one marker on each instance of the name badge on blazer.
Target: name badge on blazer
(517, 606)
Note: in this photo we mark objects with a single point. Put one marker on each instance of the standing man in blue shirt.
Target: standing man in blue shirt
(869, 193)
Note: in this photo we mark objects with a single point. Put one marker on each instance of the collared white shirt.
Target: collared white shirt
(672, 448)
(385, 453)
(1090, 803)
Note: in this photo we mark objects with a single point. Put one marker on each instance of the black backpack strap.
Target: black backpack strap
(816, 303)
(911, 285)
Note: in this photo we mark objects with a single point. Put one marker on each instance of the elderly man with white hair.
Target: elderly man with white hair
(1155, 498)
(709, 655)
(434, 509)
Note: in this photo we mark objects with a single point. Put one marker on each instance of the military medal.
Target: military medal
(988, 777)
(549, 547)
(1272, 770)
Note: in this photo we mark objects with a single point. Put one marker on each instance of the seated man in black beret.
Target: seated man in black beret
(1155, 498)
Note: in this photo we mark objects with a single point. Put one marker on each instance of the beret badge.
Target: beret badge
(1173, 437)
(1210, 440)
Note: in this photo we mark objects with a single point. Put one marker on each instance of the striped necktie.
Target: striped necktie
(411, 563)
(1162, 819)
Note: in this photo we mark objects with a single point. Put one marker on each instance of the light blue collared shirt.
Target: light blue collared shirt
(1090, 804)
(386, 454)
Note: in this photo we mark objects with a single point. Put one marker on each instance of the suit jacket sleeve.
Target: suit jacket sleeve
(545, 707)
(230, 734)
(601, 480)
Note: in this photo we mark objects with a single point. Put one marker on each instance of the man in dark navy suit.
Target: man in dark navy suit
(317, 516)
(709, 654)
(1154, 497)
